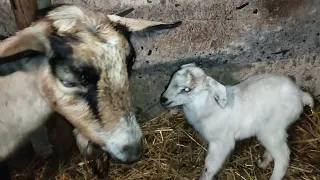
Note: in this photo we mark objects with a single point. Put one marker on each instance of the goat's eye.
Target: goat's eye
(69, 84)
(186, 89)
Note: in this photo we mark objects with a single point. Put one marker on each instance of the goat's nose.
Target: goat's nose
(163, 99)
(134, 153)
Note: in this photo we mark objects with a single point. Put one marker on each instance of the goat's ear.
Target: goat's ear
(188, 65)
(33, 38)
(125, 12)
(136, 25)
(217, 91)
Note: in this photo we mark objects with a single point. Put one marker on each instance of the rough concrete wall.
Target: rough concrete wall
(230, 39)
(7, 22)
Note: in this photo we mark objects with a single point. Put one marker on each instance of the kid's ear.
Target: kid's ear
(217, 91)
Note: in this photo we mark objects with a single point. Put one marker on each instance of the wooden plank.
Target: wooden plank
(24, 12)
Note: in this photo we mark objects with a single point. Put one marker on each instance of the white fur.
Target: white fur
(262, 106)
(23, 114)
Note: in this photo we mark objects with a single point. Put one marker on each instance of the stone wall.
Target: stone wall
(7, 22)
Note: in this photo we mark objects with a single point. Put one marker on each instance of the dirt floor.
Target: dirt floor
(174, 151)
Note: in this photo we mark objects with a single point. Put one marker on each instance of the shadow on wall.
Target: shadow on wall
(289, 40)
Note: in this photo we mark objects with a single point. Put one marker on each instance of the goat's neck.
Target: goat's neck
(199, 109)
(22, 108)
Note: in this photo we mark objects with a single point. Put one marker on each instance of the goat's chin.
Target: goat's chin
(171, 104)
(166, 105)
(118, 161)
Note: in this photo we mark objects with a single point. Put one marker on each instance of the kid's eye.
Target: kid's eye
(186, 89)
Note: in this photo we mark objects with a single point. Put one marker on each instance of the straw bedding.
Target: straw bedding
(172, 150)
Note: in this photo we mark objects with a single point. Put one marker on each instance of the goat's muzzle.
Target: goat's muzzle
(134, 153)
(164, 101)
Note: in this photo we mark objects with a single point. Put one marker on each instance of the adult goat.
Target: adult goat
(73, 62)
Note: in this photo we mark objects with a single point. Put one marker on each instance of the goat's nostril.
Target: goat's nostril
(163, 99)
(133, 153)
(133, 150)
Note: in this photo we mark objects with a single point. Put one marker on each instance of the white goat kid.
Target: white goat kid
(262, 106)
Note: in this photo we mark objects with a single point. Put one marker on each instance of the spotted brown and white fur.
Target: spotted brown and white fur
(72, 61)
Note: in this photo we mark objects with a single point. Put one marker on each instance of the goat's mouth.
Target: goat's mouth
(167, 104)
(127, 153)
(98, 151)
(127, 162)
(130, 158)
